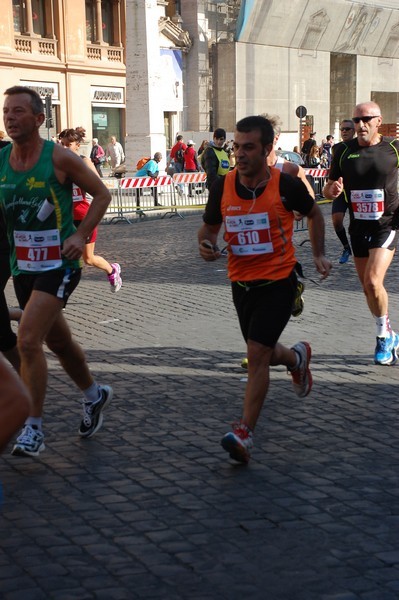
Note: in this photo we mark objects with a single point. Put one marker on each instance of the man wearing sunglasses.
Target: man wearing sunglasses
(339, 205)
(365, 169)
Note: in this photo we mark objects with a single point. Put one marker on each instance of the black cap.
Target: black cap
(219, 133)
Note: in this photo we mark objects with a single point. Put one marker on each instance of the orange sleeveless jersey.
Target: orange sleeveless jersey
(258, 233)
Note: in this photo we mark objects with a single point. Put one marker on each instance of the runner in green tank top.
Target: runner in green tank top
(34, 201)
(36, 198)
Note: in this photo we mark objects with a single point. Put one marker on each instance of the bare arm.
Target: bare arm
(302, 175)
(67, 165)
(207, 240)
(91, 166)
(316, 234)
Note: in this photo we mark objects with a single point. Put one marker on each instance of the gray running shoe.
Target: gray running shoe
(301, 376)
(92, 412)
(30, 442)
(238, 443)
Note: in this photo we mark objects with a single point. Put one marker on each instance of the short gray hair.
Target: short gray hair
(275, 122)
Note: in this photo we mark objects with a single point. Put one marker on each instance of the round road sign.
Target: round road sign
(301, 112)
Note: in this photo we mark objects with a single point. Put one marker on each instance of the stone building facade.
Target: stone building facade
(284, 54)
(144, 70)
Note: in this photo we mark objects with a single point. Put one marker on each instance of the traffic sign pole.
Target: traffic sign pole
(301, 112)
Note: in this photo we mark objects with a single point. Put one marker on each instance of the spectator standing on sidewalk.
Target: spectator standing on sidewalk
(340, 205)
(326, 154)
(191, 163)
(308, 145)
(72, 138)
(256, 203)
(202, 147)
(215, 159)
(150, 169)
(177, 155)
(115, 153)
(97, 156)
(313, 160)
(45, 253)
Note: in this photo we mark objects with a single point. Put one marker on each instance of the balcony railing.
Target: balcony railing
(30, 45)
(25, 44)
(107, 53)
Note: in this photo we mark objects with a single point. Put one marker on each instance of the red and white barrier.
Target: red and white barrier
(145, 182)
(189, 177)
(316, 172)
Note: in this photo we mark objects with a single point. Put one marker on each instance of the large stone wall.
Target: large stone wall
(369, 28)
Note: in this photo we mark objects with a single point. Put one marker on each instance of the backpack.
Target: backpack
(179, 155)
(142, 161)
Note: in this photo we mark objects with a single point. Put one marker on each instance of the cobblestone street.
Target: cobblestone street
(152, 507)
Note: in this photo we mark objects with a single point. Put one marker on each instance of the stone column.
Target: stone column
(99, 23)
(116, 10)
(144, 111)
(28, 18)
(197, 91)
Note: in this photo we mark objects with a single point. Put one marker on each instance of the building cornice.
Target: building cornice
(177, 36)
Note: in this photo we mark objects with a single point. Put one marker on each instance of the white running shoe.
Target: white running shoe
(30, 442)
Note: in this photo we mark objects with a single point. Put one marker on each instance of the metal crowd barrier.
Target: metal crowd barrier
(169, 195)
(317, 179)
(139, 195)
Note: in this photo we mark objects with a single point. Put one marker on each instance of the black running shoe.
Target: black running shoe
(92, 412)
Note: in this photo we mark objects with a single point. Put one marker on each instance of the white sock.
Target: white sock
(298, 362)
(36, 421)
(383, 326)
(92, 394)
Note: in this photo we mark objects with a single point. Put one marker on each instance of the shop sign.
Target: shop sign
(107, 95)
(43, 88)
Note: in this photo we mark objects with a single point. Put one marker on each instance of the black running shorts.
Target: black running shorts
(384, 238)
(59, 283)
(264, 310)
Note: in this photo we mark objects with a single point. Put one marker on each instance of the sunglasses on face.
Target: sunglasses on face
(346, 128)
(365, 119)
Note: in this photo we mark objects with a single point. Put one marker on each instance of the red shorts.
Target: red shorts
(91, 238)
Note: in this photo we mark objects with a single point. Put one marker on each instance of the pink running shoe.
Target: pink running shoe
(115, 279)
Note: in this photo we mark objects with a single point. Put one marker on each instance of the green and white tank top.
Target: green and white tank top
(38, 214)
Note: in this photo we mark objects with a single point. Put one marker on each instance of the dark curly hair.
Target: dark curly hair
(73, 135)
